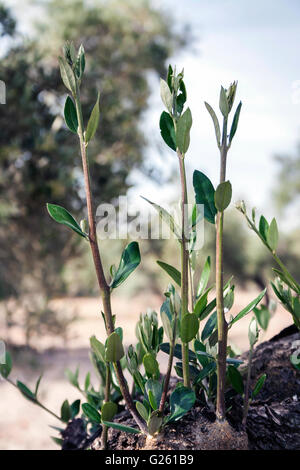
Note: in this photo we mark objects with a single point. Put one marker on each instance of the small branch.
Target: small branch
(106, 399)
(169, 369)
(222, 324)
(184, 266)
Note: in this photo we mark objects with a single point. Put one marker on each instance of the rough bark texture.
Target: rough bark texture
(274, 417)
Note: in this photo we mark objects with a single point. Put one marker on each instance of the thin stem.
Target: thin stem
(104, 287)
(106, 399)
(222, 324)
(184, 266)
(275, 256)
(247, 388)
(36, 401)
(169, 369)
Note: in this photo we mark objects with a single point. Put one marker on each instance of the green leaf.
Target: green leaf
(130, 259)
(37, 385)
(205, 372)
(208, 309)
(57, 440)
(165, 347)
(253, 332)
(205, 194)
(223, 103)
(80, 62)
(235, 379)
(173, 272)
(108, 410)
(72, 377)
(181, 401)
(91, 413)
(167, 130)
(248, 309)
(65, 412)
(155, 422)
(166, 95)
(183, 128)
(223, 196)
(71, 115)
(263, 316)
(5, 368)
(114, 348)
(152, 400)
(259, 384)
(150, 364)
(121, 427)
(235, 122)
(166, 217)
(204, 277)
(181, 98)
(263, 227)
(93, 121)
(142, 410)
(67, 75)
(272, 235)
(210, 325)
(215, 121)
(189, 327)
(98, 348)
(75, 407)
(62, 216)
(25, 391)
(167, 325)
(155, 389)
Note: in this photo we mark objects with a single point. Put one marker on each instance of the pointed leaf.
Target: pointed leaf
(204, 194)
(259, 384)
(248, 309)
(98, 348)
(272, 235)
(223, 103)
(263, 227)
(91, 412)
(93, 121)
(184, 125)
(130, 259)
(71, 115)
(204, 277)
(62, 216)
(166, 95)
(215, 121)
(166, 217)
(235, 122)
(67, 75)
(173, 272)
(167, 130)
(5, 368)
(209, 326)
(25, 391)
(121, 427)
(65, 412)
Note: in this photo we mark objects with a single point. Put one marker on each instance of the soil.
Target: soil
(274, 417)
(195, 431)
(273, 420)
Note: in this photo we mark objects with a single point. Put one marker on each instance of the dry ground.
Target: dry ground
(23, 425)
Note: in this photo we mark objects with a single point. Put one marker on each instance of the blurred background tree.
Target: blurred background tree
(125, 43)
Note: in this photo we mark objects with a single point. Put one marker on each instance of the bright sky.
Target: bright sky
(256, 43)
